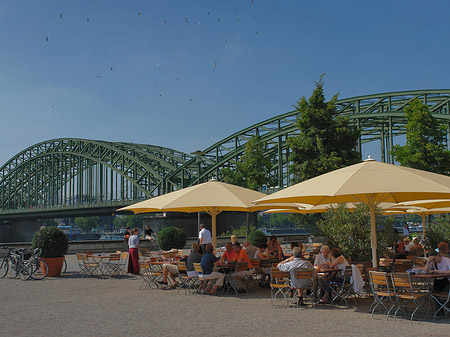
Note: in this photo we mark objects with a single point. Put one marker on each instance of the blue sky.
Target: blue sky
(187, 85)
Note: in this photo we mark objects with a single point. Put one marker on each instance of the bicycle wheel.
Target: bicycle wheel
(64, 266)
(4, 266)
(25, 271)
(37, 272)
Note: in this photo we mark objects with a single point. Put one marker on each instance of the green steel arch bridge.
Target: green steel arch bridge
(76, 177)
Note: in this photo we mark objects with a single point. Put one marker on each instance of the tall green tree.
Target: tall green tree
(426, 141)
(253, 168)
(326, 141)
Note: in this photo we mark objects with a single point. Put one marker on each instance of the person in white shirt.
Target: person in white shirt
(204, 237)
(437, 263)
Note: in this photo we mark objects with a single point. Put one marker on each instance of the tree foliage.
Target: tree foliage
(326, 141)
(350, 232)
(425, 147)
(171, 237)
(257, 237)
(124, 221)
(253, 168)
(438, 231)
(87, 223)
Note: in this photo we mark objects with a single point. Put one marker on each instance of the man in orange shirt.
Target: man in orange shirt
(229, 255)
(242, 257)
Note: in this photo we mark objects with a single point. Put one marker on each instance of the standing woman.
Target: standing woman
(133, 252)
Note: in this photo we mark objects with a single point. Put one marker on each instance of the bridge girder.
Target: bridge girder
(80, 173)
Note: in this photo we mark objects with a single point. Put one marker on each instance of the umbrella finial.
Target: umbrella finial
(369, 158)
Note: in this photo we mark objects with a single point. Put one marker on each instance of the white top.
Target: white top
(320, 259)
(205, 235)
(133, 241)
(444, 265)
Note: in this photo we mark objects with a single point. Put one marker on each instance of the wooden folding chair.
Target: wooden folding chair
(83, 268)
(145, 272)
(383, 294)
(343, 290)
(201, 281)
(406, 293)
(112, 266)
(91, 265)
(279, 285)
(306, 274)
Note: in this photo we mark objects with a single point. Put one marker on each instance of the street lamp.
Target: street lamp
(198, 154)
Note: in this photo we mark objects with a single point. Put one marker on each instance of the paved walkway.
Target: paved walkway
(75, 306)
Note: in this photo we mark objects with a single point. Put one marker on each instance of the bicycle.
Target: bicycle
(13, 263)
(4, 264)
(39, 268)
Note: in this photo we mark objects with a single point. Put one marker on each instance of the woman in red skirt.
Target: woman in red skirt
(133, 252)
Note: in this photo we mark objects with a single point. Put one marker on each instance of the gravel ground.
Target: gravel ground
(75, 306)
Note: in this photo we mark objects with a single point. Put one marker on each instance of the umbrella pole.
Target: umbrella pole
(214, 232)
(423, 224)
(373, 232)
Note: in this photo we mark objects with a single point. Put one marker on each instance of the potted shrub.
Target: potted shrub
(171, 237)
(257, 237)
(54, 244)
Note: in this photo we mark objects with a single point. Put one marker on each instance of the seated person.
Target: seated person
(293, 246)
(337, 261)
(234, 239)
(322, 261)
(290, 266)
(406, 243)
(241, 257)
(171, 270)
(207, 262)
(229, 255)
(443, 249)
(194, 257)
(260, 255)
(437, 263)
(415, 247)
(274, 248)
(250, 249)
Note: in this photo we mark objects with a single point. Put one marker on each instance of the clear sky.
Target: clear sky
(185, 74)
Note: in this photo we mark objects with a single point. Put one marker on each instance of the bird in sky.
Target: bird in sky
(226, 41)
(237, 20)
(46, 38)
(190, 99)
(87, 19)
(99, 77)
(218, 19)
(235, 11)
(60, 15)
(185, 19)
(215, 64)
(111, 68)
(165, 21)
(139, 13)
(208, 12)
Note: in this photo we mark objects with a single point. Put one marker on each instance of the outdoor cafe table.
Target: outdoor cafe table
(428, 280)
(101, 259)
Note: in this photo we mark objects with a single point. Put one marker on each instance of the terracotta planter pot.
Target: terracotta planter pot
(54, 265)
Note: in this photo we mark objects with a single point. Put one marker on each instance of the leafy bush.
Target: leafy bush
(52, 241)
(350, 232)
(438, 231)
(256, 237)
(171, 237)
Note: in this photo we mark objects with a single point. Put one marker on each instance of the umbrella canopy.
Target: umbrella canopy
(212, 197)
(369, 182)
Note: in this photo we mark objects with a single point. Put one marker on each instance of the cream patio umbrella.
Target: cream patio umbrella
(212, 197)
(369, 182)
